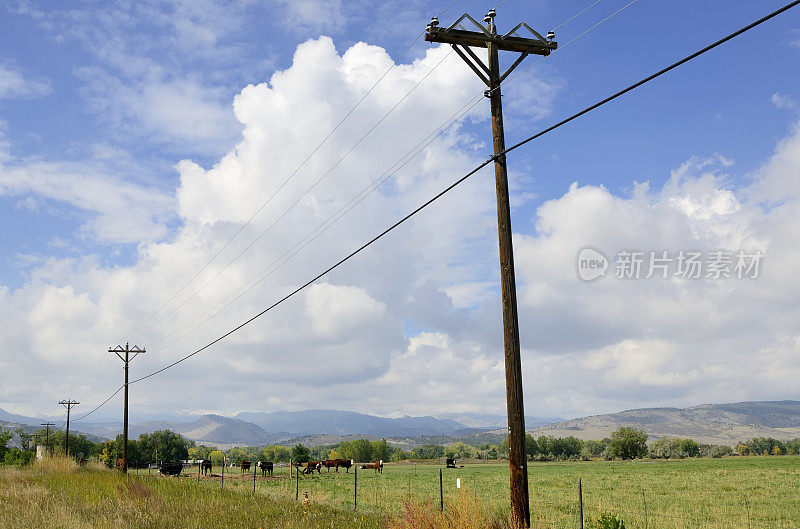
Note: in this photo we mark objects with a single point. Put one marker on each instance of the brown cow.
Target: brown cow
(346, 463)
(311, 466)
(120, 462)
(377, 466)
(244, 465)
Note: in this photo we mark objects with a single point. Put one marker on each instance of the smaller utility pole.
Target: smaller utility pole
(68, 404)
(47, 425)
(126, 359)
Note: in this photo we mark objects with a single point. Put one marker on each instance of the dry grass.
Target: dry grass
(56, 463)
(59, 494)
(464, 512)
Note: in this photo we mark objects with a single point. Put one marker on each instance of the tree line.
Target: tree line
(165, 445)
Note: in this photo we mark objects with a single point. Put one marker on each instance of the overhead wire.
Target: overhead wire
(469, 174)
(263, 205)
(279, 258)
(306, 193)
(475, 102)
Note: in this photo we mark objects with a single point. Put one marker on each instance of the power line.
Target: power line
(305, 194)
(472, 172)
(576, 15)
(463, 178)
(314, 237)
(281, 257)
(302, 164)
(283, 261)
(329, 222)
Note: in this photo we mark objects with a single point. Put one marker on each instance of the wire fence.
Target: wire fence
(556, 503)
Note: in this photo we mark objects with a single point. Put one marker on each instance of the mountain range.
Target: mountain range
(708, 423)
(724, 424)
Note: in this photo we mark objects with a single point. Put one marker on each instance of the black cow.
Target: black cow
(171, 468)
(450, 463)
(266, 467)
(205, 466)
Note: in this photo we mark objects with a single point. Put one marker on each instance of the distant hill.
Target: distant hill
(332, 422)
(492, 421)
(708, 423)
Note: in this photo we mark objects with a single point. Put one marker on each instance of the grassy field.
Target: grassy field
(740, 492)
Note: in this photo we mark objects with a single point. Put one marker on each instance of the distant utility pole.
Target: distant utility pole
(486, 37)
(68, 404)
(126, 359)
(47, 435)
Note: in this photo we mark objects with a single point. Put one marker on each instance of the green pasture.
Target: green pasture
(732, 492)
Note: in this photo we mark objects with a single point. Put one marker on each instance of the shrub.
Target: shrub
(609, 521)
(627, 443)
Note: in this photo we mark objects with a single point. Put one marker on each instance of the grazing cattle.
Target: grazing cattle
(450, 462)
(120, 462)
(377, 466)
(266, 467)
(311, 466)
(244, 465)
(82, 462)
(171, 468)
(205, 466)
(328, 463)
(346, 463)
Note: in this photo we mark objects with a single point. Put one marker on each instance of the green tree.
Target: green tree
(301, 454)
(216, 457)
(627, 443)
(136, 453)
(531, 447)
(689, 448)
(5, 437)
(381, 450)
(428, 451)
(282, 454)
(164, 445)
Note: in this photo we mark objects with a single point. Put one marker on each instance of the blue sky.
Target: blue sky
(103, 105)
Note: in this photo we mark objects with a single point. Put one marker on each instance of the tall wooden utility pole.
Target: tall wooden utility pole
(68, 404)
(462, 40)
(126, 359)
(47, 436)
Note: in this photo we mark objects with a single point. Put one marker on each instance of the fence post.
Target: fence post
(223, 472)
(198, 471)
(254, 479)
(580, 500)
(747, 506)
(644, 501)
(297, 489)
(441, 492)
(355, 488)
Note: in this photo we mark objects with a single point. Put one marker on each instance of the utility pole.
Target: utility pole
(68, 404)
(118, 350)
(47, 425)
(486, 37)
